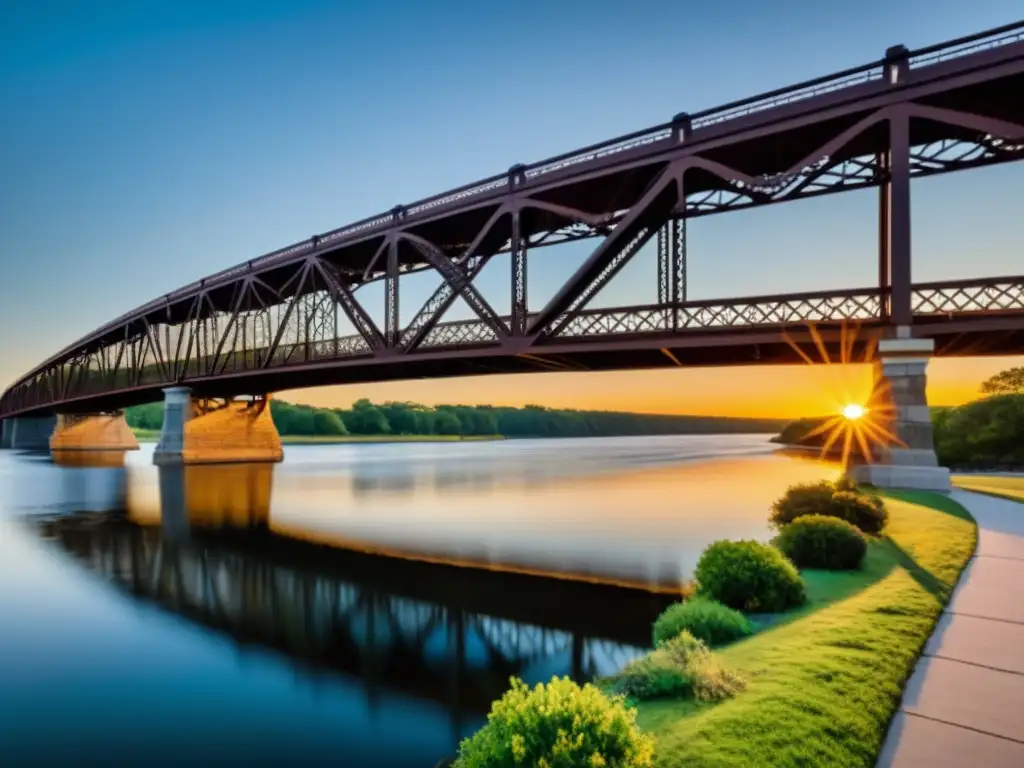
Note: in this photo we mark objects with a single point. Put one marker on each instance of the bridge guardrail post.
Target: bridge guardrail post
(897, 64)
(682, 126)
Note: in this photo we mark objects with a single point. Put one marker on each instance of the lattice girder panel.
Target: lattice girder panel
(741, 314)
(997, 296)
(780, 312)
(352, 345)
(308, 334)
(461, 333)
(612, 322)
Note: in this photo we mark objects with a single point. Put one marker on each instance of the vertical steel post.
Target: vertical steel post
(334, 303)
(678, 259)
(391, 296)
(391, 329)
(883, 234)
(518, 265)
(898, 205)
(664, 264)
(519, 309)
(894, 211)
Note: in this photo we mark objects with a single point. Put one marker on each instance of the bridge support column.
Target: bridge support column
(29, 433)
(93, 432)
(899, 397)
(178, 411)
(207, 433)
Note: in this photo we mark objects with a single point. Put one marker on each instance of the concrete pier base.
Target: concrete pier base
(93, 432)
(178, 411)
(229, 433)
(29, 433)
(900, 404)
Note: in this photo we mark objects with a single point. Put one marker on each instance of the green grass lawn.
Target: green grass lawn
(1007, 487)
(152, 435)
(824, 681)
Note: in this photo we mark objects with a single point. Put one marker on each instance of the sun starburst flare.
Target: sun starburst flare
(853, 411)
(862, 427)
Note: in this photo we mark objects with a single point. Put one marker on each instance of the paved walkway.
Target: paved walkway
(964, 703)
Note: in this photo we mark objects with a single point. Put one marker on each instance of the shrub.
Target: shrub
(749, 576)
(868, 513)
(840, 499)
(845, 483)
(654, 676)
(802, 499)
(709, 679)
(558, 724)
(817, 541)
(681, 667)
(705, 619)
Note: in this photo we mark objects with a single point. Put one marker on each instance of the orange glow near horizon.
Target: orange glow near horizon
(752, 391)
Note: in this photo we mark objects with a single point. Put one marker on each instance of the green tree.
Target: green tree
(1008, 382)
(148, 416)
(482, 422)
(424, 420)
(983, 434)
(401, 417)
(447, 423)
(367, 419)
(328, 423)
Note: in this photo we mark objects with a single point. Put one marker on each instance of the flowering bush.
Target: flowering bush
(558, 725)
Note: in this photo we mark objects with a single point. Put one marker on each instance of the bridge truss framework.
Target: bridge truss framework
(275, 322)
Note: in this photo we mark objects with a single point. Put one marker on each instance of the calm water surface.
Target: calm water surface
(244, 615)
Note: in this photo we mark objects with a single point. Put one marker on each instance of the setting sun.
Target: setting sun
(853, 411)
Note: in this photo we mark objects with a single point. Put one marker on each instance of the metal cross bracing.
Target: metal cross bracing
(276, 322)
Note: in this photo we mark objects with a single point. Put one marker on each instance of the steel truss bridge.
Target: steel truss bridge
(275, 322)
(435, 637)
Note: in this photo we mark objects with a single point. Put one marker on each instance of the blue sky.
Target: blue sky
(145, 144)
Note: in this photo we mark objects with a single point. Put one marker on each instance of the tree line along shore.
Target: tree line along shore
(404, 420)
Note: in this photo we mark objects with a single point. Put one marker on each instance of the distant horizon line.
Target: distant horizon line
(537, 406)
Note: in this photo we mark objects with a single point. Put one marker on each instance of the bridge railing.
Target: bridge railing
(960, 298)
(962, 46)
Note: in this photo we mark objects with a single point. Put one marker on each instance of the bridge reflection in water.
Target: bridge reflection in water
(209, 552)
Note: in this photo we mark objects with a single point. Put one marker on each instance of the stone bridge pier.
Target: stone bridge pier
(899, 404)
(206, 432)
(93, 432)
(70, 432)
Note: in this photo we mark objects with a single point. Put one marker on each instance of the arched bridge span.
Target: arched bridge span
(274, 322)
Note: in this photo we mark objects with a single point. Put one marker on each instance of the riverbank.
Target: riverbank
(824, 682)
(152, 435)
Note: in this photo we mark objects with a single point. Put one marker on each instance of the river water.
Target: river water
(356, 605)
